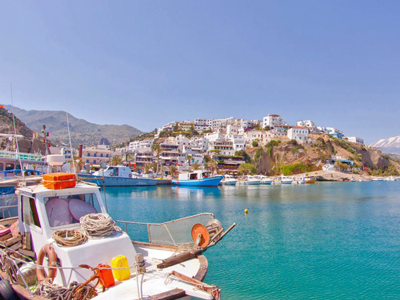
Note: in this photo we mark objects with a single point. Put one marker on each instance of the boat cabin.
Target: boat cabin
(116, 171)
(42, 211)
(195, 175)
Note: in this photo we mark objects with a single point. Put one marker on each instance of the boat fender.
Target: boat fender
(49, 250)
(111, 174)
(6, 291)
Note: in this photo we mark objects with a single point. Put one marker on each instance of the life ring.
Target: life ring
(49, 250)
(111, 174)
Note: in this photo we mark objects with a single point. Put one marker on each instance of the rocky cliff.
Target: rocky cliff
(28, 144)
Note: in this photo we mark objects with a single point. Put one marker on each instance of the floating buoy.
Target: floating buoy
(246, 211)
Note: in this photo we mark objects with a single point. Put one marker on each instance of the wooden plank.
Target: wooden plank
(26, 241)
(202, 272)
(179, 258)
(27, 252)
(15, 247)
(170, 295)
(5, 237)
(12, 241)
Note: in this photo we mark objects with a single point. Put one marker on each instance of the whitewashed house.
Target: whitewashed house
(355, 139)
(299, 134)
(272, 120)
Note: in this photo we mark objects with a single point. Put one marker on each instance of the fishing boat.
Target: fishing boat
(197, 178)
(229, 180)
(113, 176)
(285, 180)
(310, 179)
(67, 222)
(249, 180)
(267, 180)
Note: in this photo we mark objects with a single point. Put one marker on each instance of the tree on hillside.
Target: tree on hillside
(255, 143)
(246, 169)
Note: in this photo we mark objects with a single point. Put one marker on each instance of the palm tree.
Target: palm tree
(173, 170)
(195, 166)
(116, 160)
(146, 168)
(189, 159)
(156, 147)
(212, 164)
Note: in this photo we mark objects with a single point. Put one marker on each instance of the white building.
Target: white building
(224, 147)
(140, 146)
(355, 139)
(272, 121)
(299, 134)
(309, 124)
(183, 142)
(238, 142)
(214, 136)
(202, 124)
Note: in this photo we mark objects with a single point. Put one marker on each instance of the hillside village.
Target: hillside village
(238, 146)
(228, 146)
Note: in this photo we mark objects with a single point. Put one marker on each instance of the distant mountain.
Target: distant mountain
(390, 145)
(82, 131)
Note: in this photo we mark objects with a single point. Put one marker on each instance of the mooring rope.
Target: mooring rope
(98, 225)
(73, 292)
(69, 238)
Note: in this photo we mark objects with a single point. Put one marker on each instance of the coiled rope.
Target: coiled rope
(69, 238)
(73, 292)
(98, 225)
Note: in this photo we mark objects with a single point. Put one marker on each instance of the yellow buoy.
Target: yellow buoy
(246, 211)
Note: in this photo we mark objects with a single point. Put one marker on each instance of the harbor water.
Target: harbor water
(321, 241)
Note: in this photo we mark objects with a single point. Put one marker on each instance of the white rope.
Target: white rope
(98, 225)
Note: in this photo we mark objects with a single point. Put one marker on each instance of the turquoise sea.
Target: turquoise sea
(322, 241)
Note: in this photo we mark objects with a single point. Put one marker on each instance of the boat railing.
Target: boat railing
(171, 233)
(17, 172)
(8, 208)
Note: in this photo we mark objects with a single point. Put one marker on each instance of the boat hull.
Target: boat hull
(210, 181)
(233, 182)
(119, 181)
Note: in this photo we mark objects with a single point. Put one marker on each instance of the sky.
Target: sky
(145, 63)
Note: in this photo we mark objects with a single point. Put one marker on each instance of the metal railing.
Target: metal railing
(3, 208)
(176, 232)
(22, 156)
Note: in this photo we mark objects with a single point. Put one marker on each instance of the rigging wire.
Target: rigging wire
(15, 132)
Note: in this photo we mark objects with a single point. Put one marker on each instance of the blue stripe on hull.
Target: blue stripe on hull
(210, 181)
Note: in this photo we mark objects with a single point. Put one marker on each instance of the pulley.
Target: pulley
(203, 235)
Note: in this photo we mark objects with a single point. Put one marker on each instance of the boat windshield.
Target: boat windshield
(65, 210)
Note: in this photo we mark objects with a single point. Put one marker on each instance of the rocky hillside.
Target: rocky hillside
(291, 158)
(390, 145)
(28, 144)
(82, 131)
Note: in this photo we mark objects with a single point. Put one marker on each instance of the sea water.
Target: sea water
(321, 241)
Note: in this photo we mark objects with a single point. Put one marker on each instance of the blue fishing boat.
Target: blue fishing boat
(197, 178)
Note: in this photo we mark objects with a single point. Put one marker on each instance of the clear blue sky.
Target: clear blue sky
(145, 63)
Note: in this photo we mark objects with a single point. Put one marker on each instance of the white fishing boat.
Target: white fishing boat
(285, 180)
(229, 180)
(249, 180)
(267, 180)
(118, 176)
(67, 222)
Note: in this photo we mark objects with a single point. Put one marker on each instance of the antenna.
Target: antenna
(69, 135)
(15, 133)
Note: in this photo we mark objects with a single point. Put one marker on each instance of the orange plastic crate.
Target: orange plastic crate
(58, 181)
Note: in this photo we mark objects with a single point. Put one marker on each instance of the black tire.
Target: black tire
(6, 291)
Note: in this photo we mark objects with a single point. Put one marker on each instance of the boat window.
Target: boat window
(29, 212)
(65, 210)
(9, 166)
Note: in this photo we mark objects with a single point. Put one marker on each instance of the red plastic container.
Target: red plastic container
(58, 181)
(106, 275)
